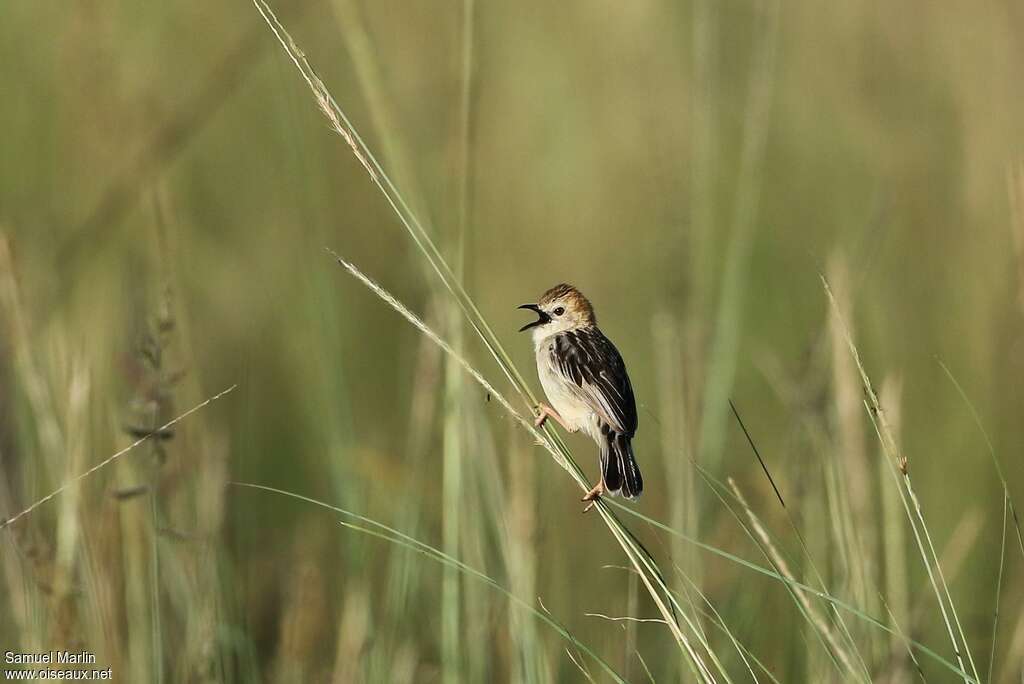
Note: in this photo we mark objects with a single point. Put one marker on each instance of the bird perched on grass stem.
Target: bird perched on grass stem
(585, 380)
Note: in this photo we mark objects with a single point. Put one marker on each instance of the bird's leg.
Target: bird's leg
(594, 494)
(544, 411)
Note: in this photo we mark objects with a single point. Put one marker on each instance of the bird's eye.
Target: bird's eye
(559, 311)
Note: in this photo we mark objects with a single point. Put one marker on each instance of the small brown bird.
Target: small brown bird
(586, 382)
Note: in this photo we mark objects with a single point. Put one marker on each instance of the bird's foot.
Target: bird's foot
(593, 495)
(544, 412)
(541, 416)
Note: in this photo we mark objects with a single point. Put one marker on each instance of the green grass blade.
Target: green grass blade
(767, 572)
(381, 531)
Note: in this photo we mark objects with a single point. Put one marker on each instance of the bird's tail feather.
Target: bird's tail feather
(621, 473)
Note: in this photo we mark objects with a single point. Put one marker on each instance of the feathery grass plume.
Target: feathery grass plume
(50, 433)
(343, 127)
(152, 404)
(636, 554)
(107, 590)
(188, 480)
(351, 21)
(851, 486)
(897, 461)
(110, 459)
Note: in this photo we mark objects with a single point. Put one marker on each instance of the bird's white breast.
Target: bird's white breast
(560, 392)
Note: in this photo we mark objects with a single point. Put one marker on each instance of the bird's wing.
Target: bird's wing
(592, 364)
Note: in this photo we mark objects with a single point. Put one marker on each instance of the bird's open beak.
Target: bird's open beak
(542, 317)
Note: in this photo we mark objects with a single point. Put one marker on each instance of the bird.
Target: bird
(586, 383)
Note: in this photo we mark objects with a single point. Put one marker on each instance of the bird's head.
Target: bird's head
(561, 308)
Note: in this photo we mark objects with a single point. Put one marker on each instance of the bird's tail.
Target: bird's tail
(621, 473)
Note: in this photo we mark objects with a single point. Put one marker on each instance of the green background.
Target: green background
(692, 167)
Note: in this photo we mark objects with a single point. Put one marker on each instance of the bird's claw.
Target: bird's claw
(593, 495)
(540, 416)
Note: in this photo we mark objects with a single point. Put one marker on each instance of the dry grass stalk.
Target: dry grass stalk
(894, 541)
(820, 622)
(66, 630)
(676, 446)
(898, 461)
(856, 485)
(453, 449)
(528, 662)
(29, 375)
(304, 620)
(104, 463)
(353, 634)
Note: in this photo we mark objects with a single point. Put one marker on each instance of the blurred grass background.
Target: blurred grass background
(167, 187)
